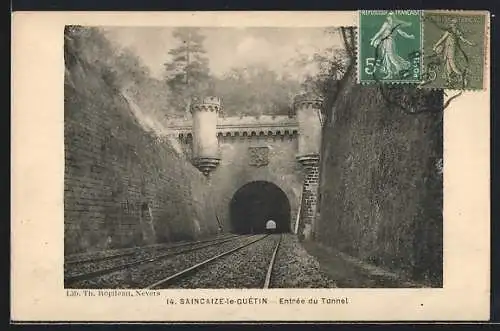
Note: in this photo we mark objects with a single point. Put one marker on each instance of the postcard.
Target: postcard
(250, 166)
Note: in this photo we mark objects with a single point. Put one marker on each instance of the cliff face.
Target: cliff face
(125, 185)
(381, 187)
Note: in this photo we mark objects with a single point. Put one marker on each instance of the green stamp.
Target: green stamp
(454, 50)
(390, 46)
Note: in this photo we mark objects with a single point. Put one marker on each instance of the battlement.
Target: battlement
(206, 104)
(244, 126)
(308, 100)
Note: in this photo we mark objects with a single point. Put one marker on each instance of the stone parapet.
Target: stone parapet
(246, 126)
(211, 104)
(307, 100)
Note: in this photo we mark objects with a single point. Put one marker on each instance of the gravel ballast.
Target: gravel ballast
(143, 275)
(245, 268)
(135, 256)
(295, 268)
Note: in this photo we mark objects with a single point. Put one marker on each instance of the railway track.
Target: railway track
(191, 271)
(267, 281)
(72, 260)
(250, 261)
(74, 277)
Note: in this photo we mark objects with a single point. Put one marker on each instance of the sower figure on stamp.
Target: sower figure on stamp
(390, 62)
(447, 47)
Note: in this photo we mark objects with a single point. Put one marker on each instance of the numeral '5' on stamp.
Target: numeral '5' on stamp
(390, 46)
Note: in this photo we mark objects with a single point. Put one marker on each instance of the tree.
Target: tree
(255, 90)
(328, 66)
(187, 72)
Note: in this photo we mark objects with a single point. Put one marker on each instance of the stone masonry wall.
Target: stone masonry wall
(381, 181)
(235, 170)
(309, 202)
(124, 186)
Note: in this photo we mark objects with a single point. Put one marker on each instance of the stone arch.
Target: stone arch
(291, 189)
(254, 204)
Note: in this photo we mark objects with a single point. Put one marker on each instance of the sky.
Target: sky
(227, 47)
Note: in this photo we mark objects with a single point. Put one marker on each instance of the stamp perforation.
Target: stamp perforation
(383, 40)
(420, 83)
(483, 43)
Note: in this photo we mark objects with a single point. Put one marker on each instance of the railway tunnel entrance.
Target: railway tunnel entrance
(255, 204)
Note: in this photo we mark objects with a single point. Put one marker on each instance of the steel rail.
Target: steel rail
(96, 273)
(267, 281)
(133, 251)
(186, 271)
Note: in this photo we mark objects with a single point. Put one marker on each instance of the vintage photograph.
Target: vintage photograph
(252, 157)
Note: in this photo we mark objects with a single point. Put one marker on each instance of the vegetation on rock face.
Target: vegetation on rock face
(119, 66)
(381, 181)
(124, 186)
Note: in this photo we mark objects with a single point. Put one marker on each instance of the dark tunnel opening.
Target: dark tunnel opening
(255, 203)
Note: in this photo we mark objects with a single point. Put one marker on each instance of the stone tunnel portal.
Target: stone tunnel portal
(255, 203)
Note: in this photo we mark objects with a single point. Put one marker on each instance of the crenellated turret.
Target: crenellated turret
(308, 111)
(205, 144)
